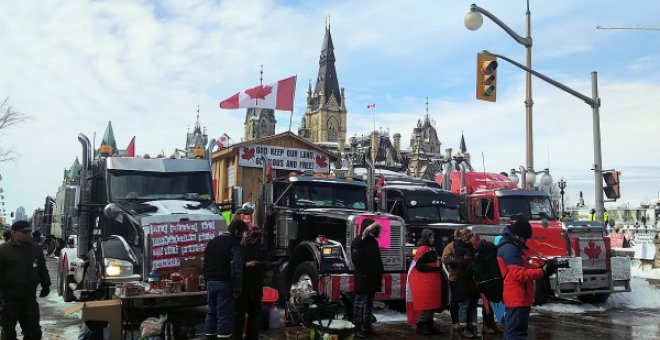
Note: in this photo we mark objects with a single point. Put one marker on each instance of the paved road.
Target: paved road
(557, 321)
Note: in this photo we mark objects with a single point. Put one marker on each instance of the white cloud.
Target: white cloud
(145, 65)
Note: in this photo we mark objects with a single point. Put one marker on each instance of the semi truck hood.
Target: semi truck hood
(140, 210)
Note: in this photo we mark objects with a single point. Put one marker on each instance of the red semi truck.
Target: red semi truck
(493, 199)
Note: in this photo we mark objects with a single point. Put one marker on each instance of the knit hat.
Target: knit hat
(521, 228)
(424, 239)
(237, 228)
(19, 225)
(464, 234)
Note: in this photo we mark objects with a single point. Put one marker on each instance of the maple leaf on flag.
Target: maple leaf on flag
(593, 251)
(259, 92)
(248, 154)
(321, 161)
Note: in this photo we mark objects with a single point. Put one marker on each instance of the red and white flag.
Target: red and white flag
(277, 96)
(223, 141)
(130, 149)
(371, 106)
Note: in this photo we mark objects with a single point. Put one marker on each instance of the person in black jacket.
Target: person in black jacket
(466, 289)
(223, 270)
(365, 254)
(249, 302)
(22, 268)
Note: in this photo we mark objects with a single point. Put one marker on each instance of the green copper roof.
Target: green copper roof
(109, 138)
(74, 170)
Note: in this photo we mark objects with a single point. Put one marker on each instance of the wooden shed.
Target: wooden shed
(238, 170)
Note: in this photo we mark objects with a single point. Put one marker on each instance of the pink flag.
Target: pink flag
(223, 141)
(371, 106)
(130, 149)
(278, 96)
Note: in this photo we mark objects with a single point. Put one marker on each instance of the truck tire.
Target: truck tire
(541, 291)
(63, 287)
(594, 298)
(306, 271)
(59, 282)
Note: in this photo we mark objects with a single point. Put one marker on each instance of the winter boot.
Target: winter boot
(423, 328)
(467, 333)
(369, 329)
(489, 328)
(431, 326)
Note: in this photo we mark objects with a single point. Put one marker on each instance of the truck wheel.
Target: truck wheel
(59, 282)
(594, 298)
(306, 271)
(541, 291)
(67, 292)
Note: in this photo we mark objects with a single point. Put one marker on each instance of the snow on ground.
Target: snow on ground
(643, 295)
(645, 271)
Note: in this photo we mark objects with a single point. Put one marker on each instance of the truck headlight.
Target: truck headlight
(331, 251)
(118, 268)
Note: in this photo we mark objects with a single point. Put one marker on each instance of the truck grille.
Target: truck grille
(393, 258)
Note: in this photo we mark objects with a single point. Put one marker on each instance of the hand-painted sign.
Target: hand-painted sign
(283, 158)
(173, 242)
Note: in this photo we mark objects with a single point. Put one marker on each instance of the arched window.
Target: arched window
(333, 126)
(263, 128)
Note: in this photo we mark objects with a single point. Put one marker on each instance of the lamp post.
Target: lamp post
(562, 186)
(528, 178)
(473, 21)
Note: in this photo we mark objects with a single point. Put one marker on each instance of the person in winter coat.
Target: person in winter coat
(452, 277)
(465, 289)
(249, 302)
(365, 254)
(488, 280)
(424, 281)
(223, 272)
(22, 268)
(519, 276)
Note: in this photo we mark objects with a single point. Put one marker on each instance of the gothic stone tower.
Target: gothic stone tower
(259, 123)
(325, 116)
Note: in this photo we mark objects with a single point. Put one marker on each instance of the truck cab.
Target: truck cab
(123, 200)
(492, 199)
(309, 225)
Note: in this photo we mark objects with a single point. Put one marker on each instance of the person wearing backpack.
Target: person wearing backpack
(488, 280)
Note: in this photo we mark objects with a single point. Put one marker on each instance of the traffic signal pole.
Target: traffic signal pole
(592, 101)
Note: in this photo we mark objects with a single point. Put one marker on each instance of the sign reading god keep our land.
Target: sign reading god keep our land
(174, 242)
(284, 158)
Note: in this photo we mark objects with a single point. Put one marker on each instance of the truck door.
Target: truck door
(483, 210)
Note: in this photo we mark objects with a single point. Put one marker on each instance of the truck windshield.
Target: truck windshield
(328, 195)
(142, 185)
(432, 214)
(526, 207)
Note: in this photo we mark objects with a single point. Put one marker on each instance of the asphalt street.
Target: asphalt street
(562, 321)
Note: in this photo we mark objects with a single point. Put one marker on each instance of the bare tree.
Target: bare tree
(8, 118)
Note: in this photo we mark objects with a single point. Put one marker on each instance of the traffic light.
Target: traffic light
(486, 77)
(612, 184)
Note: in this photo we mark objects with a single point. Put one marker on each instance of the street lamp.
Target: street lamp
(473, 21)
(562, 186)
(528, 178)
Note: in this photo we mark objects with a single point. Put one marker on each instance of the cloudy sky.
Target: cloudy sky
(146, 65)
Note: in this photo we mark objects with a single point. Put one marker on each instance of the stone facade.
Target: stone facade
(259, 123)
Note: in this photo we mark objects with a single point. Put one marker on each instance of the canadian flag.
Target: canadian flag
(371, 106)
(223, 141)
(277, 96)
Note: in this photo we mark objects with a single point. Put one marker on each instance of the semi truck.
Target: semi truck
(493, 199)
(309, 225)
(136, 218)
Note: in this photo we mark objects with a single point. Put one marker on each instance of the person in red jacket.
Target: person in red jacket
(519, 276)
(424, 283)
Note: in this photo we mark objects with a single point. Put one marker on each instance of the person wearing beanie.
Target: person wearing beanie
(424, 285)
(22, 268)
(223, 272)
(365, 255)
(519, 276)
